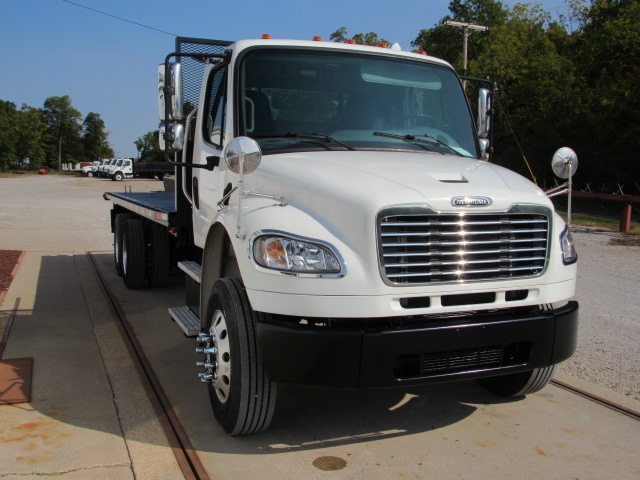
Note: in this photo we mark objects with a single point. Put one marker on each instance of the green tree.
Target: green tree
(63, 128)
(148, 147)
(370, 38)
(30, 134)
(8, 118)
(608, 53)
(94, 138)
(445, 41)
(536, 88)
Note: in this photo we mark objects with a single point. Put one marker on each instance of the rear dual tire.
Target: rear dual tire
(118, 232)
(133, 254)
(140, 255)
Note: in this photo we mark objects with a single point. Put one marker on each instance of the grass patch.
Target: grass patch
(626, 240)
(580, 220)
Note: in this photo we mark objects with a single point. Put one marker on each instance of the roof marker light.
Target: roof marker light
(420, 52)
(350, 41)
(317, 39)
(266, 36)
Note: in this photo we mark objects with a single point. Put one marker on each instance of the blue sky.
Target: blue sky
(108, 66)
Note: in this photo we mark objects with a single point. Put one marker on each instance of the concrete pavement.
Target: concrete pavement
(91, 418)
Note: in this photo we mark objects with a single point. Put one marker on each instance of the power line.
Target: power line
(120, 18)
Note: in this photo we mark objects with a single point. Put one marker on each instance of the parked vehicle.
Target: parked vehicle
(89, 171)
(102, 168)
(128, 168)
(340, 224)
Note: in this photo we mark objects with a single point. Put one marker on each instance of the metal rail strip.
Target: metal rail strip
(186, 456)
(596, 399)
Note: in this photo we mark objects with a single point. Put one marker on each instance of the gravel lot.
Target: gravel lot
(68, 214)
(608, 351)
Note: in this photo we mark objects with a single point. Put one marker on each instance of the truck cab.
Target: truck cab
(345, 228)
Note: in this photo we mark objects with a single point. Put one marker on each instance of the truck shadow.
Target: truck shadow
(75, 382)
(305, 418)
(308, 418)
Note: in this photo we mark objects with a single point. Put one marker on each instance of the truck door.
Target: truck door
(207, 186)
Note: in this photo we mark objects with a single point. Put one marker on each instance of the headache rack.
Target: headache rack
(420, 247)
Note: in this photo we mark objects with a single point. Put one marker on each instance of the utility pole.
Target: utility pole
(465, 34)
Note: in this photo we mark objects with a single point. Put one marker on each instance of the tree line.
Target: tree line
(570, 80)
(51, 135)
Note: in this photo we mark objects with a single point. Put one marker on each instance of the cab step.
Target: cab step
(188, 321)
(193, 269)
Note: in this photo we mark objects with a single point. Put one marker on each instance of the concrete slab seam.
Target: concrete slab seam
(185, 454)
(108, 375)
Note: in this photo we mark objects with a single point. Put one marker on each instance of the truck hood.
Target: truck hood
(338, 187)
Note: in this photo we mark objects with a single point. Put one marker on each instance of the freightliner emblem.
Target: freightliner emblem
(470, 201)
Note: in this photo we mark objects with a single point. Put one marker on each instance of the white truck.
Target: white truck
(128, 168)
(340, 224)
(103, 168)
(89, 170)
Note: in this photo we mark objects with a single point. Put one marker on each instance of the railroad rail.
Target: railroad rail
(186, 455)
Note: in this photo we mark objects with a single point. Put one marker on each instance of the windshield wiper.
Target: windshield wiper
(304, 135)
(419, 139)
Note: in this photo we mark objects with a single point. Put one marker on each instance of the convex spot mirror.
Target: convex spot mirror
(564, 162)
(245, 151)
(173, 140)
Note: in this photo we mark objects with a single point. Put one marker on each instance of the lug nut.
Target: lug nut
(204, 338)
(206, 364)
(207, 350)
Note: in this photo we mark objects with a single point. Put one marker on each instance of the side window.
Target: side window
(215, 110)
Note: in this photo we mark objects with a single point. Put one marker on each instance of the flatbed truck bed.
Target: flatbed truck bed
(159, 207)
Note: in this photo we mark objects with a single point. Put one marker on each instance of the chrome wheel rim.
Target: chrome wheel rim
(221, 382)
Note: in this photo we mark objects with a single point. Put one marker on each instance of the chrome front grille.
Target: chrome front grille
(418, 247)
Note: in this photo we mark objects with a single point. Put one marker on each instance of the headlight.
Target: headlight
(569, 254)
(291, 255)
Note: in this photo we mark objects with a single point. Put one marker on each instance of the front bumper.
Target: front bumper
(419, 351)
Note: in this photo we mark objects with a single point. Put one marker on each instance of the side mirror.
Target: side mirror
(484, 149)
(173, 140)
(242, 153)
(170, 90)
(484, 112)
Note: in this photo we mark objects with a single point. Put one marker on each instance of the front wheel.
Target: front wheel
(242, 396)
(519, 384)
(118, 176)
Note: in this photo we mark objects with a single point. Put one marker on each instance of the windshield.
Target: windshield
(295, 100)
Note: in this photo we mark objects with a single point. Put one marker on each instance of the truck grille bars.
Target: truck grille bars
(418, 247)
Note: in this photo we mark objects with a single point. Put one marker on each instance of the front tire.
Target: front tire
(519, 384)
(118, 176)
(242, 396)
